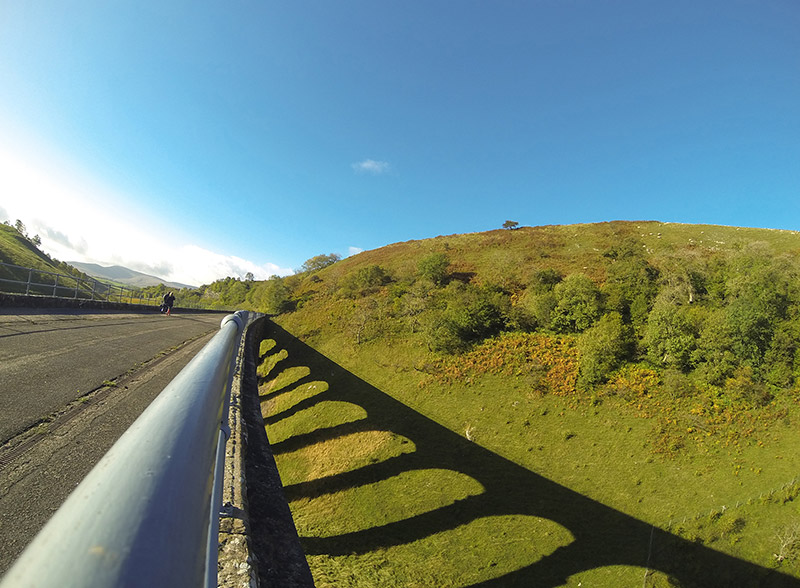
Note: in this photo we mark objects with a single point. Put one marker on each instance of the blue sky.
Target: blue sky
(203, 139)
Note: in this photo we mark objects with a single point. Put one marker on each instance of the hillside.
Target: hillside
(651, 368)
(15, 249)
(122, 275)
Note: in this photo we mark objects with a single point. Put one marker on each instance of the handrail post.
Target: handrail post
(28, 285)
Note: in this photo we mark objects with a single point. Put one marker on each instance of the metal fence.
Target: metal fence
(148, 513)
(16, 279)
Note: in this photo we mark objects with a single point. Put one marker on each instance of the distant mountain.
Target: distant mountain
(123, 275)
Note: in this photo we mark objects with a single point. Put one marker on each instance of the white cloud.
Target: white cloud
(79, 220)
(353, 250)
(206, 266)
(370, 166)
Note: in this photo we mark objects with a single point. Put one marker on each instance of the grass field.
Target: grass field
(403, 474)
(409, 463)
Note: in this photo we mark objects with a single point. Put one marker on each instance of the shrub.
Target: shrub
(364, 280)
(670, 336)
(782, 360)
(578, 304)
(470, 314)
(544, 281)
(271, 296)
(677, 384)
(434, 268)
(539, 307)
(603, 348)
(714, 358)
(742, 386)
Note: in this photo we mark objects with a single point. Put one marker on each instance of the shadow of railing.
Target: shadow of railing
(602, 536)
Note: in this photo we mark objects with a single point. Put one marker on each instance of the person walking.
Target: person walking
(169, 300)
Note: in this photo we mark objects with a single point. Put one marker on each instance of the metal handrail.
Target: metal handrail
(147, 514)
(85, 288)
(94, 290)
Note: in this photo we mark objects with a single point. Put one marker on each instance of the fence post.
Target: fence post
(55, 286)
(28, 285)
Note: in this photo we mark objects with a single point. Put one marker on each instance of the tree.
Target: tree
(578, 304)
(411, 304)
(670, 335)
(630, 285)
(540, 308)
(249, 277)
(272, 296)
(20, 226)
(782, 359)
(470, 314)
(509, 224)
(434, 268)
(365, 314)
(714, 359)
(320, 261)
(37, 240)
(603, 348)
(544, 281)
(758, 299)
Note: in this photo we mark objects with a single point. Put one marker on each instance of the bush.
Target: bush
(434, 268)
(470, 314)
(578, 304)
(631, 283)
(677, 384)
(271, 296)
(741, 386)
(670, 336)
(714, 358)
(782, 360)
(603, 348)
(364, 280)
(544, 281)
(539, 307)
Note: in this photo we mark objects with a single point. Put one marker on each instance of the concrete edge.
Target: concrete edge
(236, 566)
(274, 542)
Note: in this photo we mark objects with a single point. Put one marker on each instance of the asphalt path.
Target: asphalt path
(48, 360)
(59, 415)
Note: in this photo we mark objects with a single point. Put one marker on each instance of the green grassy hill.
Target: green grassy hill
(16, 249)
(604, 405)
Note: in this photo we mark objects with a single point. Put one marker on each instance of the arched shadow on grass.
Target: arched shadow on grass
(299, 406)
(602, 535)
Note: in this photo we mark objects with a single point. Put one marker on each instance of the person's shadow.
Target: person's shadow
(602, 536)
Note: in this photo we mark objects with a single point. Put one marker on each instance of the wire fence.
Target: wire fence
(765, 496)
